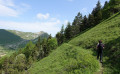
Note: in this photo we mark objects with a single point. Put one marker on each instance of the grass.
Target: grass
(109, 32)
(66, 59)
(73, 58)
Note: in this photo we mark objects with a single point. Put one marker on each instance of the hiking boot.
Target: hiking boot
(100, 61)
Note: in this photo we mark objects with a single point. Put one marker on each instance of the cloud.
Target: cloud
(43, 16)
(8, 8)
(6, 11)
(66, 22)
(7, 2)
(84, 11)
(51, 27)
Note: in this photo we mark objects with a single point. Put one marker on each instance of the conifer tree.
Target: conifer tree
(97, 13)
(58, 36)
(44, 46)
(85, 23)
(91, 20)
(68, 31)
(62, 36)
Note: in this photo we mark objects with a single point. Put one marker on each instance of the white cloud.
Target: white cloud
(66, 22)
(43, 16)
(7, 2)
(6, 11)
(8, 8)
(84, 11)
(49, 27)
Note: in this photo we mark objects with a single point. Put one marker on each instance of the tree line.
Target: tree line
(20, 61)
(82, 23)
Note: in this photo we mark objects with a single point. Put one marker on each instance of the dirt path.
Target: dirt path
(1, 55)
(101, 69)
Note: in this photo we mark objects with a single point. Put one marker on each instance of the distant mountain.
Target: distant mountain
(8, 37)
(27, 35)
(13, 39)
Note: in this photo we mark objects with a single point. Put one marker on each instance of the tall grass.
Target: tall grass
(66, 59)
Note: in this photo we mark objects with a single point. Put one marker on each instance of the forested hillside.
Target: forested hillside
(13, 39)
(73, 50)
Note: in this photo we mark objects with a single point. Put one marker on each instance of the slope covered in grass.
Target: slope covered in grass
(109, 32)
(71, 58)
(7, 37)
(66, 59)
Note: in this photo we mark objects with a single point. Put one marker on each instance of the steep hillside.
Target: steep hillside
(109, 32)
(8, 37)
(71, 58)
(66, 59)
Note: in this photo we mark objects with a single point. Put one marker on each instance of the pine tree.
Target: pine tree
(85, 23)
(105, 11)
(114, 6)
(58, 36)
(91, 21)
(77, 23)
(44, 46)
(96, 11)
(99, 17)
(62, 36)
(68, 31)
(78, 19)
(105, 5)
(75, 30)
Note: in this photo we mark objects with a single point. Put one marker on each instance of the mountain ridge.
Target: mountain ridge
(13, 39)
(27, 35)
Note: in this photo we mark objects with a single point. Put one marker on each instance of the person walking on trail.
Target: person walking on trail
(100, 47)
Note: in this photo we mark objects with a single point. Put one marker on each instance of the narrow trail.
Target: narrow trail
(101, 69)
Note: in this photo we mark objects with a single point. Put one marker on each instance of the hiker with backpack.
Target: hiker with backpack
(100, 47)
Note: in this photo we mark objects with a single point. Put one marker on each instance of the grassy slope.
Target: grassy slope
(66, 59)
(7, 37)
(109, 32)
(72, 58)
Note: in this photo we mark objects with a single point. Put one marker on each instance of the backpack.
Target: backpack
(100, 46)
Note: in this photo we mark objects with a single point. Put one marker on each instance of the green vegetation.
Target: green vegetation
(109, 32)
(71, 58)
(20, 61)
(78, 54)
(12, 39)
(7, 37)
(66, 59)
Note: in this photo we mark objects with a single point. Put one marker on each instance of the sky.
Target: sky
(42, 15)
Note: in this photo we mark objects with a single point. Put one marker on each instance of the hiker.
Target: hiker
(100, 48)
